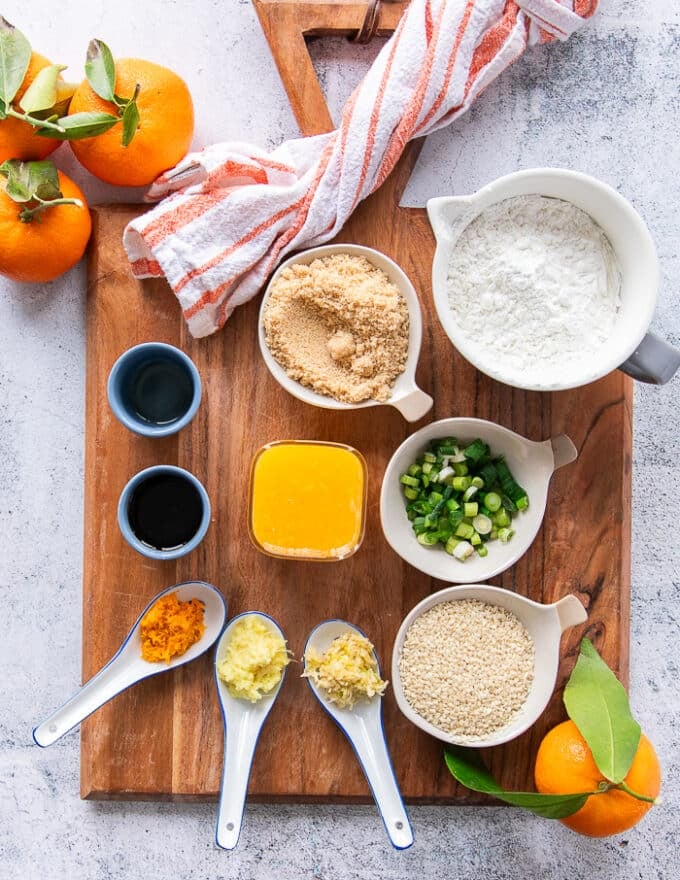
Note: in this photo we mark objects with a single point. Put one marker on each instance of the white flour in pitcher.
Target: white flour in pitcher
(534, 284)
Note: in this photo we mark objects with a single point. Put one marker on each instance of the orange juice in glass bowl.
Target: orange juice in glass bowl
(307, 500)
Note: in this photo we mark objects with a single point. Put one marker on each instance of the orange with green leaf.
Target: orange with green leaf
(32, 96)
(154, 108)
(44, 221)
(127, 122)
(597, 773)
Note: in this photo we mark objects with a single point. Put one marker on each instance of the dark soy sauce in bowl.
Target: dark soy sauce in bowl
(161, 392)
(165, 511)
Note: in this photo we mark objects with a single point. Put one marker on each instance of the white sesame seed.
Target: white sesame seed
(467, 667)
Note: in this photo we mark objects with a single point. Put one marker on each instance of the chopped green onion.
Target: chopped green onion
(451, 544)
(476, 450)
(470, 492)
(461, 496)
(492, 501)
(488, 473)
(464, 530)
(482, 524)
(463, 550)
(502, 518)
(455, 517)
(510, 488)
(428, 539)
(408, 480)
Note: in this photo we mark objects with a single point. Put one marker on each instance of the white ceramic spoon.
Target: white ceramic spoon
(362, 726)
(127, 667)
(243, 722)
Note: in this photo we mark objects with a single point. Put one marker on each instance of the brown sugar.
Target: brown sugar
(339, 326)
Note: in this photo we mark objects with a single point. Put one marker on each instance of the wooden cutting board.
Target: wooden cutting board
(163, 738)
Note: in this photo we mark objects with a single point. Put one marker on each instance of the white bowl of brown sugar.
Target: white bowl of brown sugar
(476, 665)
(340, 328)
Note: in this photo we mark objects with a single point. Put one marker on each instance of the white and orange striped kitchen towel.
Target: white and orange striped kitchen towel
(231, 212)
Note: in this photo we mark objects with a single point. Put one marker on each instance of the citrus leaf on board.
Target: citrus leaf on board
(467, 767)
(597, 703)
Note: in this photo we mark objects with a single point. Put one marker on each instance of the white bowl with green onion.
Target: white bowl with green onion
(445, 512)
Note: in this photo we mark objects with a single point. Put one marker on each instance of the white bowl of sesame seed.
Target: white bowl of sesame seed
(476, 665)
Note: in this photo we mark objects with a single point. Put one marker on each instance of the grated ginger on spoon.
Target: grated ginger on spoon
(347, 671)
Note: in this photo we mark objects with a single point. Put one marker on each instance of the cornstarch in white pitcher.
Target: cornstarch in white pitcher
(534, 284)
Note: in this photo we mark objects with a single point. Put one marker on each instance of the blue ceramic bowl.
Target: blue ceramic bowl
(154, 389)
(124, 513)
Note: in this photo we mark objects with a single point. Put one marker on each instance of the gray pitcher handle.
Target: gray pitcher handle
(653, 361)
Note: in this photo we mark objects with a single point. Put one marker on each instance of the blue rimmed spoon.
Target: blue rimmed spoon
(243, 722)
(363, 727)
(127, 666)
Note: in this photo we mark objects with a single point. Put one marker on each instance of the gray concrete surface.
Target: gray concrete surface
(607, 102)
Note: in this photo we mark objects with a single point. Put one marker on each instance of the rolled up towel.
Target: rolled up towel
(231, 212)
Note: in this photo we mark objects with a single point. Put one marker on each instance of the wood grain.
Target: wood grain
(286, 23)
(163, 738)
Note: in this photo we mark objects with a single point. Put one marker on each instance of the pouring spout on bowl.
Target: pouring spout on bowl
(445, 212)
(413, 405)
(570, 612)
(564, 451)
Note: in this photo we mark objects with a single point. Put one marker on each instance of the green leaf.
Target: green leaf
(130, 122)
(3, 110)
(467, 767)
(15, 55)
(597, 703)
(42, 93)
(27, 181)
(100, 69)
(81, 125)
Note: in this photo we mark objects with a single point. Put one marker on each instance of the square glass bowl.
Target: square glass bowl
(307, 500)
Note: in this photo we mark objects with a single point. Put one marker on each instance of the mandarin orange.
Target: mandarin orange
(565, 765)
(18, 139)
(163, 137)
(48, 245)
